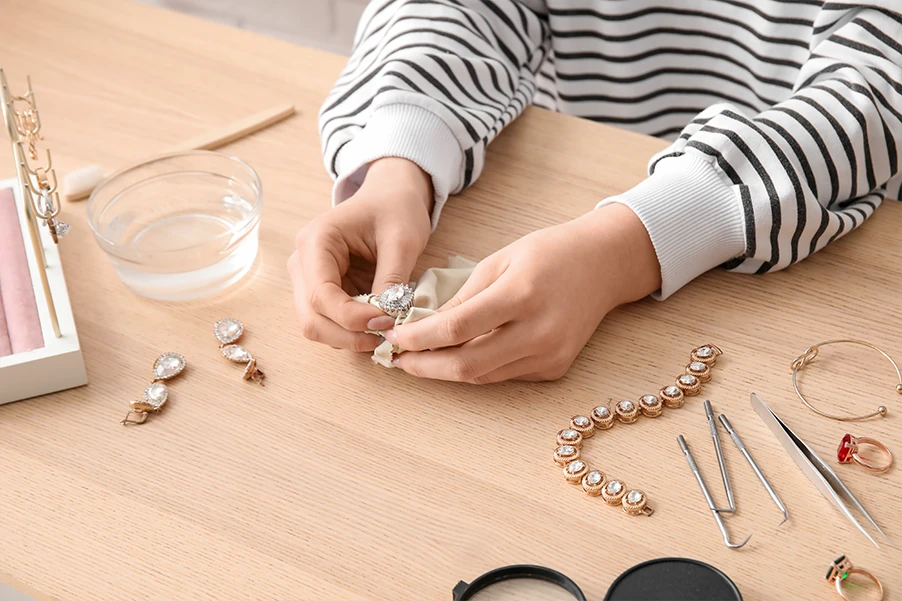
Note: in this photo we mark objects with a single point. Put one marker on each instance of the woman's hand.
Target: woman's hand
(528, 310)
(367, 243)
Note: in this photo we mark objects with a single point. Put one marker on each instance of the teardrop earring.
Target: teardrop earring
(166, 367)
(228, 330)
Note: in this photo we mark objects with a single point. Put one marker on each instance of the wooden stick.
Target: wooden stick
(79, 184)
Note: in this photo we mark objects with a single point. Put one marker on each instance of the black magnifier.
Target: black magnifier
(519, 583)
(665, 579)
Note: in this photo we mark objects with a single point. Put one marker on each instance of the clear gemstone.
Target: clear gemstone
(574, 467)
(593, 478)
(581, 421)
(634, 497)
(394, 293)
(228, 330)
(614, 487)
(168, 365)
(649, 400)
(688, 379)
(672, 391)
(236, 353)
(705, 351)
(601, 412)
(625, 406)
(156, 394)
(566, 451)
(697, 366)
(61, 228)
(569, 435)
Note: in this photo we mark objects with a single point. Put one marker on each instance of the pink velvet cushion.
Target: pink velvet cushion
(23, 325)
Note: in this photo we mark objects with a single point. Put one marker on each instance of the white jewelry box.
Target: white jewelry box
(59, 364)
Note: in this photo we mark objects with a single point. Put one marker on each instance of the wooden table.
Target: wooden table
(343, 480)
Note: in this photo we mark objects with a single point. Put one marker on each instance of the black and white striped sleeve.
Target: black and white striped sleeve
(759, 192)
(432, 81)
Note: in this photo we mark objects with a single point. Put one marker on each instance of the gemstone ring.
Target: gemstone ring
(396, 300)
(842, 568)
(848, 452)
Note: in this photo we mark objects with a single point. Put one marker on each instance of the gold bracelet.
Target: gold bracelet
(811, 353)
(568, 453)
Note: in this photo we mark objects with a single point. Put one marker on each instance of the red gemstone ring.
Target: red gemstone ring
(848, 452)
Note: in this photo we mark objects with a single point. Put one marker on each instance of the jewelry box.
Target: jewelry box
(58, 365)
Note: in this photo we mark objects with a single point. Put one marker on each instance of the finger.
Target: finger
(525, 369)
(467, 363)
(478, 315)
(317, 328)
(322, 282)
(482, 277)
(394, 264)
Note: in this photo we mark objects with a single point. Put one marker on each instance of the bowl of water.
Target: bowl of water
(181, 225)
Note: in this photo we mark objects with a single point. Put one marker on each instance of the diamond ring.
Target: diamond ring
(396, 299)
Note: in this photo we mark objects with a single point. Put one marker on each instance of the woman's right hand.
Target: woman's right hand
(365, 244)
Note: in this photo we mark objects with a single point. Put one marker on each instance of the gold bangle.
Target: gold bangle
(811, 353)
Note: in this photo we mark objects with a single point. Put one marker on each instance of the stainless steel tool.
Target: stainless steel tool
(748, 457)
(718, 450)
(817, 470)
(714, 510)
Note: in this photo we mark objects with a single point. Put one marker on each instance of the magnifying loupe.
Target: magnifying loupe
(518, 583)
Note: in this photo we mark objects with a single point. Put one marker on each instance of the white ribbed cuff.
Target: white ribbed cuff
(409, 132)
(693, 216)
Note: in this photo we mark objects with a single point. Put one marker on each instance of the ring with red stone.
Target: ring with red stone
(569, 436)
(613, 492)
(650, 405)
(583, 425)
(848, 452)
(672, 396)
(565, 454)
(593, 482)
(575, 470)
(706, 354)
(689, 384)
(602, 417)
(636, 503)
(700, 370)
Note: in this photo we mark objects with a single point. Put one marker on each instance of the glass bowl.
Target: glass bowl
(181, 225)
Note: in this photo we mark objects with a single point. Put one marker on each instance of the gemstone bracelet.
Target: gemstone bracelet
(570, 440)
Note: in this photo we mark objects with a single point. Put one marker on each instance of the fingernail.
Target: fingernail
(391, 336)
(396, 361)
(383, 322)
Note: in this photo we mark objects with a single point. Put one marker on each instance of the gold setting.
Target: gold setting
(672, 396)
(562, 458)
(612, 491)
(613, 497)
(575, 470)
(583, 425)
(593, 489)
(651, 405)
(700, 370)
(602, 417)
(626, 411)
(689, 384)
(635, 507)
(566, 437)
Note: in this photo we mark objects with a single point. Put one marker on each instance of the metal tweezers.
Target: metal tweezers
(817, 470)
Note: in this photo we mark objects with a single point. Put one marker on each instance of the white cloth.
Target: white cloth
(437, 286)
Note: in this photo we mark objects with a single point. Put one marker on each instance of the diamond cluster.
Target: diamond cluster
(228, 330)
(396, 299)
(169, 365)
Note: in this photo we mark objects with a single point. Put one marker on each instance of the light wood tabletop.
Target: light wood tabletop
(344, 480)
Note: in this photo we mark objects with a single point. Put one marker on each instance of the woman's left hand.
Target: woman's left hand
(527, 311)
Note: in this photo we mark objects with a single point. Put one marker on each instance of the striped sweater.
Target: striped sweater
(785, 116)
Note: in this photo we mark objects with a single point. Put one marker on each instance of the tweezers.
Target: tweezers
(817, 470)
